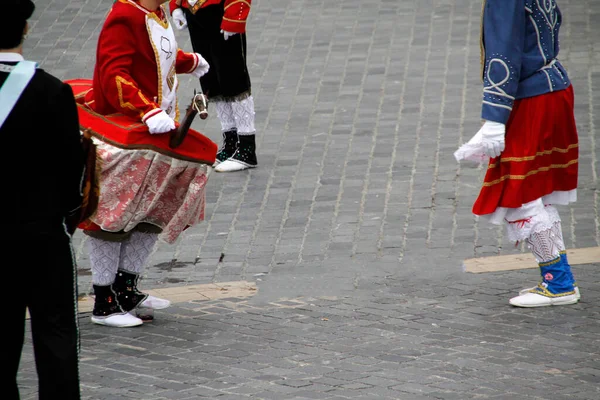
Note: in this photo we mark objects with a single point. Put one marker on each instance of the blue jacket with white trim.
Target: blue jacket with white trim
(520, 42)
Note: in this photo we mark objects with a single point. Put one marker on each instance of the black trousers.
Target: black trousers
(228, 78)
(44, 281)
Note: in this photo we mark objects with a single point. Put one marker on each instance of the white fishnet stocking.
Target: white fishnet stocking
(243, 112)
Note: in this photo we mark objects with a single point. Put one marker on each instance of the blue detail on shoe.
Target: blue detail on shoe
(563, 257)
(557, 278)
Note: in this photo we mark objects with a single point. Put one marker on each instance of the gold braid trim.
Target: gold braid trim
(538, 154)
(533, 172)
(125, 104)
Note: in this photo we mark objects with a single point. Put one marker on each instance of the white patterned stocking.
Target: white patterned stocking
(225, 115)
(544, 245)
(104, 259)
(538, 231)
(243, 112)
(556, 226)
(135, 251)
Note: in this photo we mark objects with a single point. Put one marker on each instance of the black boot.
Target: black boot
(243, 158)
(228, 147)
(125, 287)
(107, 310)
(105, 303)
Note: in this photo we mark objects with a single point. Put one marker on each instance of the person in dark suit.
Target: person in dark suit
(42, 164)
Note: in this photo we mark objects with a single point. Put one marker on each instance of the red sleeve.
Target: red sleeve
(173, 5)
(116, 48)
(236, 14)
(185, 63)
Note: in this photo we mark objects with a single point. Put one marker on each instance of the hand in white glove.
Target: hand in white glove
(492, 138)
(179, 19)
(202, 67)
(160, 123)
(227, 35)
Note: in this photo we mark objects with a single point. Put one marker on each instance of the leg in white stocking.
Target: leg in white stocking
(245, 154)
(225, 115)
(556, 233)
(556, 287)
(134, 254)
(557, 230)
(136, 250)
(243, 113)
(230, 138)
(104, 258)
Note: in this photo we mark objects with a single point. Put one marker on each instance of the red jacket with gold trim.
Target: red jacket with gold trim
(126, 73)
(236, 12)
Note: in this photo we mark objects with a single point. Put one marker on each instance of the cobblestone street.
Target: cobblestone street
(335, 270)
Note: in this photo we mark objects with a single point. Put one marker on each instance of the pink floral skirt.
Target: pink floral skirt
(143, 186)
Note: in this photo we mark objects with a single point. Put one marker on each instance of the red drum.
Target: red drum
(124, 132)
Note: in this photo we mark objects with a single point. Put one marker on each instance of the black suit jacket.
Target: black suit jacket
(42, 159)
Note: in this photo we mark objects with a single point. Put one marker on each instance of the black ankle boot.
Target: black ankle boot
(228, 147)
(125, 287)
(246, 151)
(106, 303)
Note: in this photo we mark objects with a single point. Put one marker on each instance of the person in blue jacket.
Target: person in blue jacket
(530, 135)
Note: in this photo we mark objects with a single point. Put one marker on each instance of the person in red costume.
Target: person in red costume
(145, 195)
(127, 78)
(218, 31)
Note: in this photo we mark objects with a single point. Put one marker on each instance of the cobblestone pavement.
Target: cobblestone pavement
(354, 226)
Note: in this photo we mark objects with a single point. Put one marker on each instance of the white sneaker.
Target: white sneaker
(124, 320)
(523, 291)
(155, 303)
(531, 299)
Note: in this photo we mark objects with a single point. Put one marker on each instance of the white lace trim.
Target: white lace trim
(519, 229)
(499, 216)
(553, 213)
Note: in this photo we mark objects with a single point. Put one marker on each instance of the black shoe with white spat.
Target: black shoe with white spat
(243, 158)
(228, 147)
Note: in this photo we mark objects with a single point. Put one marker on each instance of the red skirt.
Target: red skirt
(541, 154)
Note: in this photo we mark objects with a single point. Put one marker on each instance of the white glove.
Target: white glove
(227, 35)
(160, 123)
(202, 67)
(492, 138)
(179, 19)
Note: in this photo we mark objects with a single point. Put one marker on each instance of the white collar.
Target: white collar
(10, 57)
